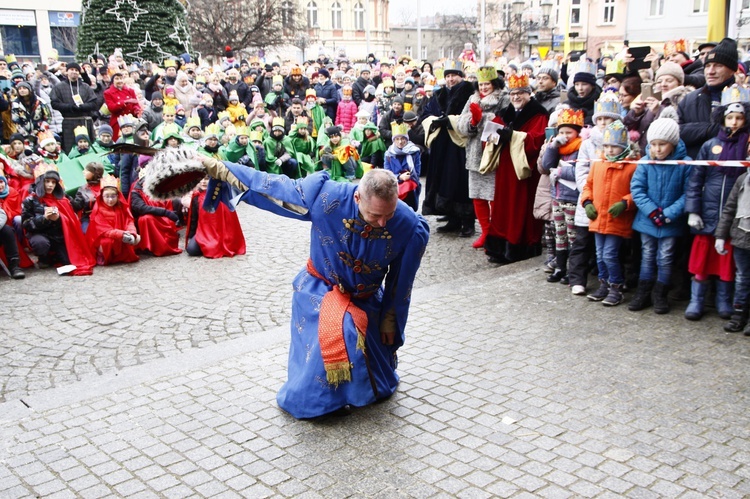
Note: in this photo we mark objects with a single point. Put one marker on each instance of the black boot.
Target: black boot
(14, 268)
(738, 321)
(659, 296)
(453, 225)
(467, 227)
(642, 298)
(561, 272)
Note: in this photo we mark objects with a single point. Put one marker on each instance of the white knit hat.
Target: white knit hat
(664, 129)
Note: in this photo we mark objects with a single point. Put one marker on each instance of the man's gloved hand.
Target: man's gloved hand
(719, 246)
(616, 209)
(244, 160)
(476, 113)
(591, 211)
(172, 215)
(695, 221)
(505, 134)
(658, 218)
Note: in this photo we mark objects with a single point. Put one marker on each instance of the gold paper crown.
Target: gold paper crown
(126, 120)
(43, 168)
(387, 82)
(10, 58)
(170, 63)
(168, 110)
(615, 67)
(347, 90)
(518, 81)
(399, 129)
(734, 93)
(674, 46)
(568, 117)
(302, 120)
(109, 181)
(193, 121)
(486, 74)
(213, 130)
(170, 129)
(224, 114)
(439, 74)
(278, 121)
(277, 80)
(296, 70)
(453, 66)
(256, 136)
(241, 130)
(80, 130)
(45, 137)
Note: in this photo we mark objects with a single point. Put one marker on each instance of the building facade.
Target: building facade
(652, 22)
(442, 38)
(32, 29)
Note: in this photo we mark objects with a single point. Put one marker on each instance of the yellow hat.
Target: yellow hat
(399, 129)
(518, 82)
(242, 130)
(486, 74)
(570, 117)
(168, 110)
(213, 130)
(278, 122)
(193, 121)
(256, 136)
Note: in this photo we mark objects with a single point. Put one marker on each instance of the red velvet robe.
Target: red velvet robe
(106, 227)
(78, 249)
(218, 234)
(158, 234)
(115, 100)
(512, 216)
(11, 205)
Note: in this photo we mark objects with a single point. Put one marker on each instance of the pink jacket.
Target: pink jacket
(345, 115)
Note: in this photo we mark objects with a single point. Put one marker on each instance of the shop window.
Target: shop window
(20, 40)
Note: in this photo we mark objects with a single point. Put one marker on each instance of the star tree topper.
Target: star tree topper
(117, 11)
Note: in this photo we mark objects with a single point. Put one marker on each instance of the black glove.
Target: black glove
(505, 134)
(171, 215)
(244, 160)
(442, 121)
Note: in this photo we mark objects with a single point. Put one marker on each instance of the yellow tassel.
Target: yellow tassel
(360, 341)
(338, 373)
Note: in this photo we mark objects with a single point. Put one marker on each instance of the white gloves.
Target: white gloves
(278, 162)
(695, 221)
(561, 140)
(719, 245)
(554, 173)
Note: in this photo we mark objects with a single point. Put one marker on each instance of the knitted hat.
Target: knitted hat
(105, 129)
(333, 130)
(665, 129)
(673, 69)
(725, 53)
(324, 72)
(410, 116)
(551, 72)
(369, 89)
(584, 77)
(157, 96)
(73, 65)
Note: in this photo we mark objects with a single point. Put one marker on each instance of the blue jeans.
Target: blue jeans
(657, 253)
(742, 276)
(608, 257)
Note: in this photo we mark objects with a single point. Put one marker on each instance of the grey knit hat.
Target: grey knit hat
(672, 69)
(665, 129)
(551, 72)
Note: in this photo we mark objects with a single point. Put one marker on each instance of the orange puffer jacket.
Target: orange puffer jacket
(609, 182)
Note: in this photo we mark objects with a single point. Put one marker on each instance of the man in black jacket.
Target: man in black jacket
(77, 103)
(358, 87)
(695, 109)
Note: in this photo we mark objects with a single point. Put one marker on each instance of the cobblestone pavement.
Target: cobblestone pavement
(511, 387)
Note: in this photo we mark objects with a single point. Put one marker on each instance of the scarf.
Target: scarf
(571, 147)
(408, 150)
(4, 193)
(715, 91)
(210, 149)
(733, 145)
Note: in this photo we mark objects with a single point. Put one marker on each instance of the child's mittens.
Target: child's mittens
(560, 140)
(658, 218)
(590, 210)
(554, 173)
(476, 113)
(695, 221)
(616, 209)
(719, 246)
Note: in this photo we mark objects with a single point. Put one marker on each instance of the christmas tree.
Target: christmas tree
(145, 30)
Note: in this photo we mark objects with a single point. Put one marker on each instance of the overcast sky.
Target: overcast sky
(399, 8)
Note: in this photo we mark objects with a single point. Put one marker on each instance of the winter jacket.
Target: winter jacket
(328, 92)
(491, 103)
(384, 127)
(661, 186)
(294, 89)
(549, 99)
(243, 91)
(207, 115)
(709, 188)
(608, 182)
(237, 113)
(552, 159)
(152, 116)
(696, 126)
(358, 89)
(346, 115)
(728, 226)
(585, 103)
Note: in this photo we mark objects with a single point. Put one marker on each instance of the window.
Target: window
(609, 11)
(441, 52)
(452, 53)
(359, 17)
(745, 4)
(64, 40)
(336, 15)
(20, 40)
(575, 12)
(312, 15)
(287, 14)
(507, 15)
(700, 6)
(424, 52)
(408, 50)
(657, 8)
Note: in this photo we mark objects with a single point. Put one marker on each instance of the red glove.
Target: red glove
(476, 113)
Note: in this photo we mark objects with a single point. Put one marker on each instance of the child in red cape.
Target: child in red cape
(52, 227)
(112, 235)
(213, 235)
(155, 221)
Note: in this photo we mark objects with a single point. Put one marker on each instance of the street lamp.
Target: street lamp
(518, 7)
(546, 13)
